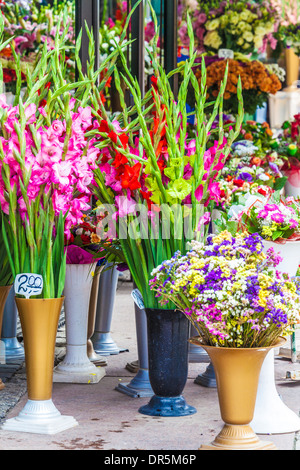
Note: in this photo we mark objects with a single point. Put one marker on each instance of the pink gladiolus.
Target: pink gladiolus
(199, 192)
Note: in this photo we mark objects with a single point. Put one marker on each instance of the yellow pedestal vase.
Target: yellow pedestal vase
(237, 374)
(292, 66)
(39, 321)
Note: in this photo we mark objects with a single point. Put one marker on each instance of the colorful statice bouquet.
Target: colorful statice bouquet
(236, 25)
(230, 291)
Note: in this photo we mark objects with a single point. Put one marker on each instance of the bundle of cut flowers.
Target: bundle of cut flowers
(159, 182)
(273, 217)
(236, 25)
(230, 291)
(83, 245)
(288, 36)
(258, 81)
(46, 163)
(30, 25)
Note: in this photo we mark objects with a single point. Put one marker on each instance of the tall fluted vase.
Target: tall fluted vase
(292, 66)
(4, 292)
(271, 415)
(76, 366)
(237, 374)
(140, 385)
(102, 339)
(39, 321)
(168, 334)
(92, 355)
(13, 348)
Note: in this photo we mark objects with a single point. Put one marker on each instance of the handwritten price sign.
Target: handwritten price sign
(28, 284)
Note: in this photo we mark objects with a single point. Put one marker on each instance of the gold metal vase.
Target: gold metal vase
(292, 66)
(4, 291)
(237, 373)
(39, 322)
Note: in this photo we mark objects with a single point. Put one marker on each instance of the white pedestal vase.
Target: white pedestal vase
(39, 417)
(292, 185)
(76, 367)
(271, 415)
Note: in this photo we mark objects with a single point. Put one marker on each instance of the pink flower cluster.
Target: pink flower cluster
(60, 165)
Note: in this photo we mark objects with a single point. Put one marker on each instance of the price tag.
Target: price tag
(225, 53)
(138, 299)
(28, 284)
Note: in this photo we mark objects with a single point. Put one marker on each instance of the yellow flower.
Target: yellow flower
(212, 39)
(262, 295)
(95, 238)
(248, 36)
(212, 25)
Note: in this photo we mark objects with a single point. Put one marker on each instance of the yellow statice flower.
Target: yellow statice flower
(262, 295)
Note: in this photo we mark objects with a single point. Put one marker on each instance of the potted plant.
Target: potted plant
(230, 292)
(158, 184)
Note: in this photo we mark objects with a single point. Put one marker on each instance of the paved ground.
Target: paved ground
(110, 420)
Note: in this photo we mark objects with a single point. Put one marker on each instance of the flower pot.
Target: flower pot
(92, 355)
(168, 333)
(292, 66)
(140, 385)
(292, 185)
(102, 340)
(237, 388)
(271, 415)
(4, 291)
(39, 321)
(290, 252)
(13, 348)
(76, 366)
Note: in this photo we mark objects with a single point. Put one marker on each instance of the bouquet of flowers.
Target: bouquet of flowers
(47, 163)
(30, 25)
(289, 37)
(236, 25)
(257, 82)
(156, 181)
(230, 291)
(83, 244)
(273, 217)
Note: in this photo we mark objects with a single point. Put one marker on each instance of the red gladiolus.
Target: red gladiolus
(103, 127)
(119, 160)
(130, 177)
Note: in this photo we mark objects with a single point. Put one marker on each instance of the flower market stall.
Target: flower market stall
(117, 152)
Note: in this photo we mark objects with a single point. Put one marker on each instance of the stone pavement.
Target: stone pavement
(110, 420)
